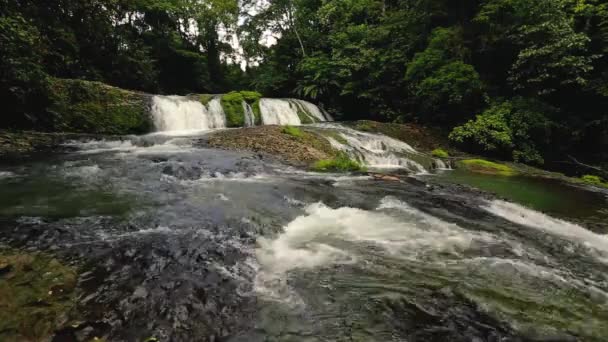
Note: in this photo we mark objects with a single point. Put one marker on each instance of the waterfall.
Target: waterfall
(182, 113)
(377, 150)
(249, 116)
(312, 110)
(179, 113)
(279, 112)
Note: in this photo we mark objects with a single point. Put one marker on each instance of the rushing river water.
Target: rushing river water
(187, 243)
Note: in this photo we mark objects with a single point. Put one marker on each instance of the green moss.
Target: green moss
(36, 294)
(440, 153)
(484, 166)
(293, 131)
(232, 103)
(341, 163)
(594, 180)
(93, 107)
(304, 116)
(205, 98)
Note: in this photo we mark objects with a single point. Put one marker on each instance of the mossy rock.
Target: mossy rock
(92, 107)
(37, 292)
(487, 167)
(232, 103)
(440, 153)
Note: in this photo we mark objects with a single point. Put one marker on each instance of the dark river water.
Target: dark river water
(187, 243)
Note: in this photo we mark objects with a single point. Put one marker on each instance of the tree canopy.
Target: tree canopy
(522, 79)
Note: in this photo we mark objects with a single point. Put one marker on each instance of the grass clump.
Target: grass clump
(340, 163)
(293, 131)
(440, 153)
(594, 180)
(488, 167)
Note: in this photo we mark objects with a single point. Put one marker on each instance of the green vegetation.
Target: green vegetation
(205, 98)
(93, 107)
(594, 180)
(340, 163)
(487, 167)
(440, 153)
(512, 129)
(293, 131)
(514, 79)
(36, 294)
(232, 103)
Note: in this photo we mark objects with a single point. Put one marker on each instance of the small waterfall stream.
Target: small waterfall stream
(380, 151)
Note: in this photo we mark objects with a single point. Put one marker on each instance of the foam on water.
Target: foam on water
(524, 216)
(308, 241)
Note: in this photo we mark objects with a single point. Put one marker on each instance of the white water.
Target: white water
(278, 112)
(249, 116)
(313, 240)
(178, 113)
(534, 219)
(312, 110)
(183, 114)
(377, 150)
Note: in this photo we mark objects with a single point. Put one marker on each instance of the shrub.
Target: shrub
(440, 153)
(485, 166)
(341, 163)
(517, 129)
(293, 131)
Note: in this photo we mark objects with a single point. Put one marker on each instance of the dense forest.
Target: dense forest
(514, 79)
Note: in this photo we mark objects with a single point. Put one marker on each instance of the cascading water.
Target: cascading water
(380, 151)
(279, 112)
(182, 113)
(179, 113)
(249, 116)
